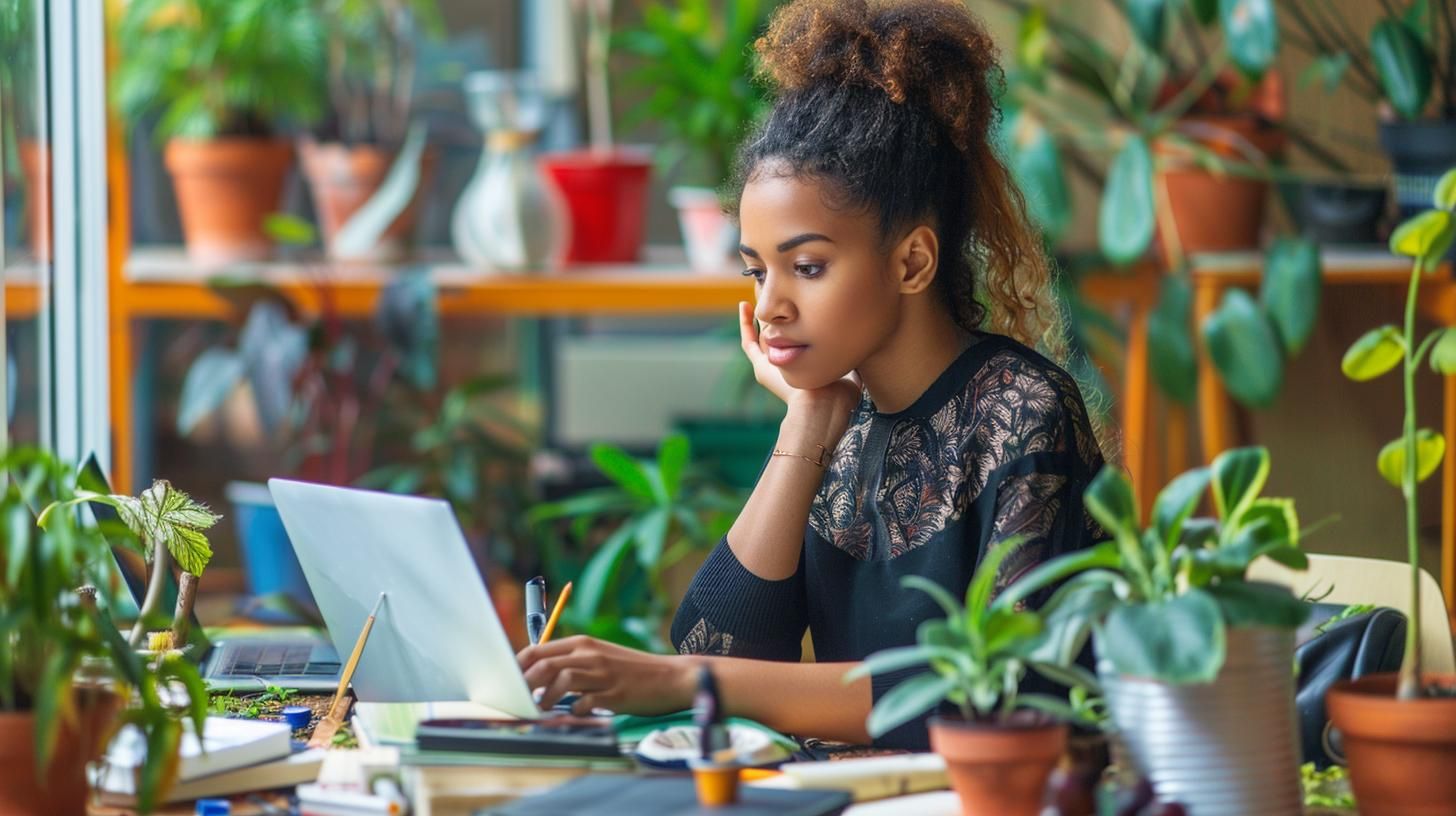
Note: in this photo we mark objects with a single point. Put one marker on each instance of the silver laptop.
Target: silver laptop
(242, 663)
(436, 637)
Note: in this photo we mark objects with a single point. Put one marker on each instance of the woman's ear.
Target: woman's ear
(916, 260)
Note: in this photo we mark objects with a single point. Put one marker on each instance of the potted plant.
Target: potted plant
(1000, 745)
(1194, 660)
(371, 77)
(1192, 132)
(695, 71)
(605, 185)
(637, 536)
(1400, 732)
(222, 76)
(69, 678)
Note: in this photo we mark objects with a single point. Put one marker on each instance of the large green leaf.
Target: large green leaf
(937, 593)
(601, 571)
(1443, 352)
(1241, 341)
(1403, 65)
(1255, 604)
(1291, 290)
(903, 657)
(1147, 19)
(1376, 352)
(1005, 629)
(1176, 502)
(1126, 218)
(1176, 641)
(650, 532)
(1426, 237)
(1238, 476)
(622, 469)
(1430, 448)
(983, 582)
(907, 701)
(1252, 33)
(673, 454)
(1048, 573)
(1170, 340)
(1036, 162)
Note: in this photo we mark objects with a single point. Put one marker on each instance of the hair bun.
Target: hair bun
(930, 53)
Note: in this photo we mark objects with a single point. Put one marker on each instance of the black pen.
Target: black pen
(535, 608)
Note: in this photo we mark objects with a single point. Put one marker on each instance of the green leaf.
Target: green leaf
(1327, 69)
(1048, 573)
(1036, 163)
(650, 532)
(978, 594)
(1376, 352)
(176, 667)
(672, 459)
(52, 698)
(1170, 340)
(1126, 219)
(1403, 65)
(1245, 350)
(1430, 448)
(1252, 33)
(906, 701)
(1110, 501)
(904, 657)
(164, 740)
(1176, 641)
(1443, 353)
(1005, 629)
(937, 593)
(1280, 517)
(1033, 41)
(1238, 476)
(1176, 502)
(1426, 236)
(289, 230)
(1444, 196)
(1291, 290)
(1245, 603)
(622, 469)
(1147, 19)
(600, 572)
(211, 379)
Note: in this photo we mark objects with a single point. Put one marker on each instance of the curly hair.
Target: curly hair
(893, 103)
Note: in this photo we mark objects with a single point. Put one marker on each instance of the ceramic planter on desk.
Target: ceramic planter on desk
(998, 768)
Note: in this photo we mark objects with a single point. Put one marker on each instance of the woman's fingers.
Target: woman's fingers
(748, 331)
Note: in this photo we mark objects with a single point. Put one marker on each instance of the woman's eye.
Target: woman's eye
(756, 274)
(809, 270)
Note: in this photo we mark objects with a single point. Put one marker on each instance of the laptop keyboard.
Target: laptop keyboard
(276, 661)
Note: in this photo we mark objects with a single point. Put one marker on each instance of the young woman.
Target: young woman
(900, 291)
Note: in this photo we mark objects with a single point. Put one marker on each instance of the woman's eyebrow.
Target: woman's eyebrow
(787, 245)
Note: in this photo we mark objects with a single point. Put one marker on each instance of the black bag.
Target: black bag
(1369, 643)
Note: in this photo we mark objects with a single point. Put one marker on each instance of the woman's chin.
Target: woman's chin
(810, 380)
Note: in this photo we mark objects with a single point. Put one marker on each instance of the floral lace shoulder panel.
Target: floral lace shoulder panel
(1015, 405)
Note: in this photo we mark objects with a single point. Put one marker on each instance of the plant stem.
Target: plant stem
(1409, 687)
(182, 615)
(156, 589)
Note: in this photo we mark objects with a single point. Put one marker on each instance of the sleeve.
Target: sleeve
(730, 611)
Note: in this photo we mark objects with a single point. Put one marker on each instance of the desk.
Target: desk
(1214, 274)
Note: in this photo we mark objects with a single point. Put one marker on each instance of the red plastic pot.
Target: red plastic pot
(606, 195)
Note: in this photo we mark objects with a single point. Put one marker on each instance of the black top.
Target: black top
(999, 445)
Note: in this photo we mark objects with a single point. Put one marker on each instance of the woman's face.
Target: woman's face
(827, 299)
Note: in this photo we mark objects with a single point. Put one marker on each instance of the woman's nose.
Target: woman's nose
(774, 302)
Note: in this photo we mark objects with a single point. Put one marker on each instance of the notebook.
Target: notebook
(665, 796)
(231, 743)
(295, 769)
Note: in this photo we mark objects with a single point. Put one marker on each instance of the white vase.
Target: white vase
(510, 217)
(709, 236)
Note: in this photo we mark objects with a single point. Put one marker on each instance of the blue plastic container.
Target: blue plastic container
(268, 557)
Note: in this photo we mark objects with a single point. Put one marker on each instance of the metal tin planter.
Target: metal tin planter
(1227, 748)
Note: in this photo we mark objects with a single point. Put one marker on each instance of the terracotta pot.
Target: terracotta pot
(1402, 753)
(224, 188)
(35, 166)
(606, 194)
(998, 770)
(62, 791)
(1214, 213)
(342, 177)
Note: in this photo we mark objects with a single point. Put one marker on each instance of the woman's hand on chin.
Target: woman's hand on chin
(832, 403)
(609, 676)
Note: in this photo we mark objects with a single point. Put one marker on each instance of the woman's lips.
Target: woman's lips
(783, 355)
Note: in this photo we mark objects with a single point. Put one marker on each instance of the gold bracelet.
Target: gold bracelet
(819, 462)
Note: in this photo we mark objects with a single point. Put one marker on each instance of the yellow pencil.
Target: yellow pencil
(556, 612)
(333, 719)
